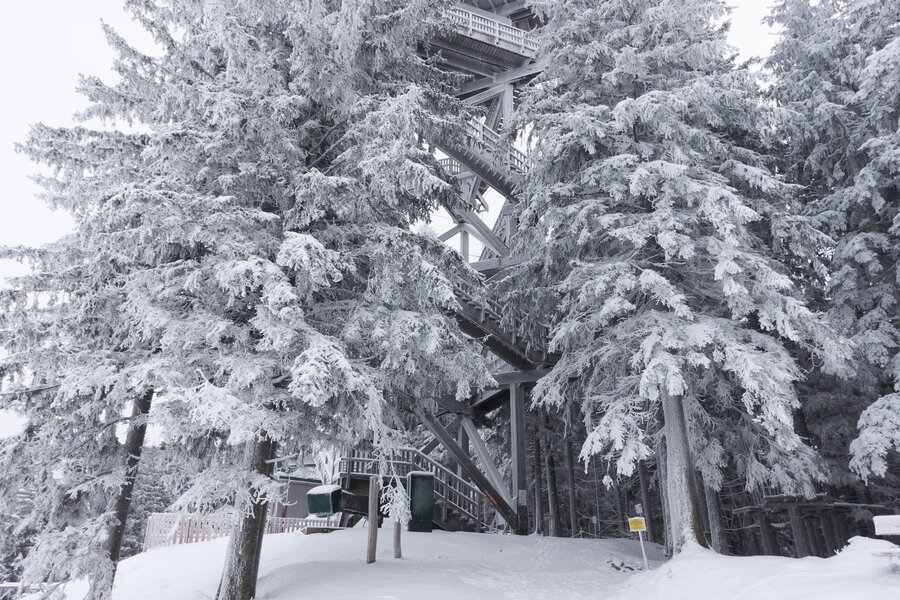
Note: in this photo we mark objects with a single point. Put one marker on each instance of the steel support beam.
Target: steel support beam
(450, 232)
(434, 443)
(508, 76)
(484, 457)
(518, 453)
(479, 229)
(478, 478)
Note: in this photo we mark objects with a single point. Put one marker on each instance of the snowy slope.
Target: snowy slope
(457, 566)
(698, 574)
(435, 566)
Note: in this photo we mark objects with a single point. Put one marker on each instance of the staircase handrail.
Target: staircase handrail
(453, 490)
(494, 311)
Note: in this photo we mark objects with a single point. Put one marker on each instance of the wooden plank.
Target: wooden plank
(374, 489)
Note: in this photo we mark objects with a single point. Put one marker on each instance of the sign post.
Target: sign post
(640, 525)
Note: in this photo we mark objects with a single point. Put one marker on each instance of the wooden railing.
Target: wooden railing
(493, 31)
(453, 492)
(169, 529)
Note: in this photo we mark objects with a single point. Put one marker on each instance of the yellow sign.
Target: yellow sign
(637, 524)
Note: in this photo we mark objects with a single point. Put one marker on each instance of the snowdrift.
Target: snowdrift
(463, 566)
(699, 574)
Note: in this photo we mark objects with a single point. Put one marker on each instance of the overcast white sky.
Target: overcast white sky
(45, 44)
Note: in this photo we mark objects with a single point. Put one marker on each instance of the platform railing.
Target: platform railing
(492, 31)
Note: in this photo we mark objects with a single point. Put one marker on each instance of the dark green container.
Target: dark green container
(324, 500)
(421, 500)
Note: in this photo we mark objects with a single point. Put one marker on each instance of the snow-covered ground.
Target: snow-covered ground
(458, 566)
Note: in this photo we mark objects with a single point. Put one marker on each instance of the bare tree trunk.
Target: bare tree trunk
(645, 501)
(552, 494)
(398, 553)
(684, 506)
(134, 445)
(245, 546)
(570, 469)
(538, 494)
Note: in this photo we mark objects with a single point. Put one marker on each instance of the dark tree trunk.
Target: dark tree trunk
(538, 494)
(570, 469)
(714, 514)
(134, 445)
(645, 502)
(245, 545)
(552, 494)
(684, 506)
(663, 497)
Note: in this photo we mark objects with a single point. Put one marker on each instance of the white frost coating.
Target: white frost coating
(323, 489)
(421, 473)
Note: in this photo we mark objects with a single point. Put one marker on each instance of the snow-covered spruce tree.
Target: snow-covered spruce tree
(264, 214)
(78, 372)
(657, 231)
(837, 69)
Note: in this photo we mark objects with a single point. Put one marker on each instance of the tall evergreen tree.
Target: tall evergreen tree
(836, 70)
(259, 227)
(657, 230)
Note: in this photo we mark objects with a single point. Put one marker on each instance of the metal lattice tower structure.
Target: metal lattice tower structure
(491, 46)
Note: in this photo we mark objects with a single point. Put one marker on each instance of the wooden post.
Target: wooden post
(374, 488)
(814, 533)
(798, 530)
(538, 493)
(519, 455)
(552, 495)
(462, 438)
(767, 534)
(840, 529)
(397, 528)
(831, 544)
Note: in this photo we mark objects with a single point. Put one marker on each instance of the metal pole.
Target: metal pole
(643, 552)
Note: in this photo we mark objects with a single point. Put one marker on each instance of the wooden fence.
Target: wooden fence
(168, 529)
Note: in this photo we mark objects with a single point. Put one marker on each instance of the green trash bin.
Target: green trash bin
(324, 500)
(421, 500)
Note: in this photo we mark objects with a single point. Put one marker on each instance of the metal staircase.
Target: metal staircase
(489, 44)
(506, 334)
(459, 505)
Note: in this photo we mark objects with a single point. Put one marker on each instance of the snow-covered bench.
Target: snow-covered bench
(888, 525)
